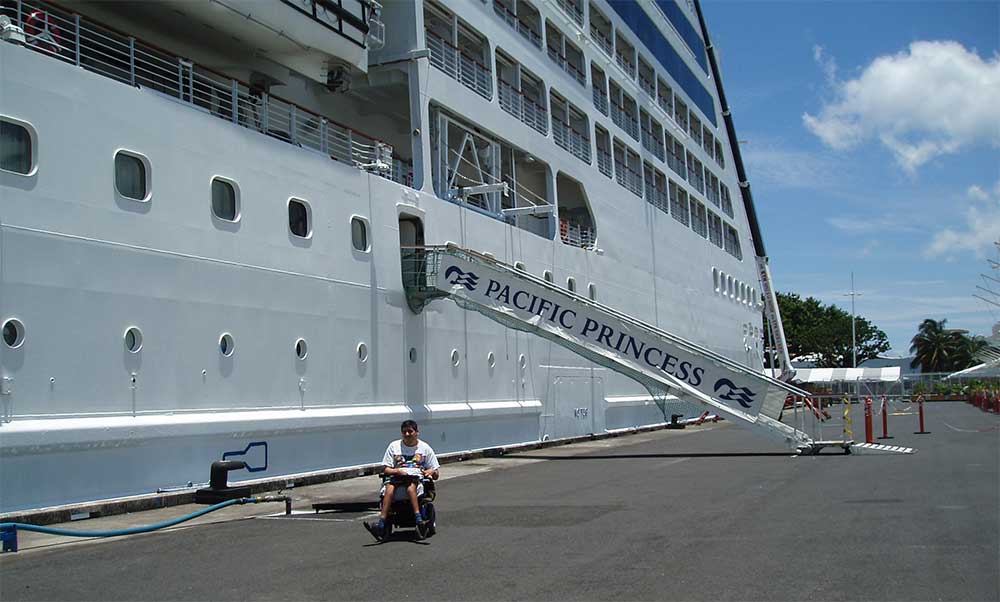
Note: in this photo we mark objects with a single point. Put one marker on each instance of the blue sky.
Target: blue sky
(872, 144)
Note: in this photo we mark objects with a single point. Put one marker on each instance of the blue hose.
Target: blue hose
(10, 529)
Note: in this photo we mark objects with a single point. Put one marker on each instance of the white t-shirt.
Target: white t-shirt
(412, 459)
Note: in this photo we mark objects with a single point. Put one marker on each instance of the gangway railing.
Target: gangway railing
(662, 362)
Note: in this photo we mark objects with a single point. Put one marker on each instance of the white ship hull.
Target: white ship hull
(86, 419)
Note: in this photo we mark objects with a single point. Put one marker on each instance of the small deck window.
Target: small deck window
(224, 200)
(131, 176)
(15, 148)
(359, 234)
(571, 284)
(547, 275)
(592, 291)
(298, 218)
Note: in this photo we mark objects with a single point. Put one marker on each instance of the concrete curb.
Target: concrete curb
(67, 513)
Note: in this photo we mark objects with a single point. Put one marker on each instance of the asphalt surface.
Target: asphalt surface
(710, 515)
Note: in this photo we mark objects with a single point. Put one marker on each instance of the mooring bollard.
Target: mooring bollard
(885, 418)
(920, 406)
(869, 436)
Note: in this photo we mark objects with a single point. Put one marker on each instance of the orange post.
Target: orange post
(920, 401)
(869, 437)
(885, 418)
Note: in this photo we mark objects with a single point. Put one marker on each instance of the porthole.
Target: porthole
(131, 176)
(363, 353)
(133, 339)
(715, 279)
(519, 265)
(729, 286)
(592, 291)
(413, 355)
(301, 349)
(299, 218)
(359, 234)
(225, 200)
(455, 357)
(547, 275)
(17, 148)
(226, 344)
(571, 284)
(13, 333)
(491, 360)
(523, 362)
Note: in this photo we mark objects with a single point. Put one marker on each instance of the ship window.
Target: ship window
(362, 352)
(455, 357)
(13, 333)
(547, 275)
(133, 340)
(301, 349)
(298, 218)
(715, 279)
(226, 344)
(592, 291)
(491, 359)
(519, 265)
(571, 284)
(131, 176)
(15, 148)
(359, 234)
(224, 200)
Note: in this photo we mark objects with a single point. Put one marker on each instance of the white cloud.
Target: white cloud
(981, 229)
(932, 99)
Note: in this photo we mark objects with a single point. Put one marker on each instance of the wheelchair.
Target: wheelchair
(401, 511)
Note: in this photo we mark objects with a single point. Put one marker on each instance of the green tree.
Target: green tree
(938, 349)
(823, 332)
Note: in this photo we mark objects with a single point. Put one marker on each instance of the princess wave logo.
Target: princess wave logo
(454, 275)
(730, 392)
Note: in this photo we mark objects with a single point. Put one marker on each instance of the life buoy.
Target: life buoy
(42, 33)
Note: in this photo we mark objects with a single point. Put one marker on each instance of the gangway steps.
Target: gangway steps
(655, 358)
(868, 448)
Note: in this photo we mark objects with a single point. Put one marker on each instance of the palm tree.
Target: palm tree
(933, 347)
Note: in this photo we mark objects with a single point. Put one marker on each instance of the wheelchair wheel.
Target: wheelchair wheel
(430, 518)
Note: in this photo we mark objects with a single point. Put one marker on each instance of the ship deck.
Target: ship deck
(707, 513)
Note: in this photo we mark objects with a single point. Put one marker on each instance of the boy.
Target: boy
(405, 461)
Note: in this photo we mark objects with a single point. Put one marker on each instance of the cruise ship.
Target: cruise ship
(211, 210)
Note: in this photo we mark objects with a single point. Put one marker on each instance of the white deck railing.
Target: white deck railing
(89, 45)
(526, 110)
(604, 162)
(577, 235)
(459, 65)
(571, 140)
(624, 120)
(600, 99)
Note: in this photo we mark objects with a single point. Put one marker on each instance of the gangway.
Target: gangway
(660, 361)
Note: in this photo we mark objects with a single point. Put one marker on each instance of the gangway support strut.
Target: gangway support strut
(659, 360)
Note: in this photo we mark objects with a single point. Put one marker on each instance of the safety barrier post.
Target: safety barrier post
(848, 423)
(920, 402)
(885, 418)
(869, 436)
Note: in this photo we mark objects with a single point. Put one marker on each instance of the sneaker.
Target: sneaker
(377, 529)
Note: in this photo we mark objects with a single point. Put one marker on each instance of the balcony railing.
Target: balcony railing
(526, 110)
(626, 64)
(624, 120)
(647, 86)
(653, 144)
(604, 162)
(629, 178)
(572, 10)
(577, 235)
(658, 198)
(676, 163)
(603, 41)
(665, 104)
(459, 66)
(600, 99)
(517, 24)
(570, 139)
(566, 66)
(112, 54)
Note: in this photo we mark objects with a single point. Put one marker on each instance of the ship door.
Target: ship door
(573, 405)
(412, 261)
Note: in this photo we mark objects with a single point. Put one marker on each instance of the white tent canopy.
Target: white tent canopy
(828, 375)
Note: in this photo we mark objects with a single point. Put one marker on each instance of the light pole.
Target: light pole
(854, 345)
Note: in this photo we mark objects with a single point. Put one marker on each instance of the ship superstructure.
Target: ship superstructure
(206, 209)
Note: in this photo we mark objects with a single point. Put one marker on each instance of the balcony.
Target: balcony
(521, 27)
(526, 110)
(115, 55)
(460, 66)
(624, 120)
(577, 235)
(647, 86)
(628, 178)
(658, 198)
(603, 42)
(571, 9)
(604, 162)
(567, 66)
(569, 139)
(600, 99)
(653, 144)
